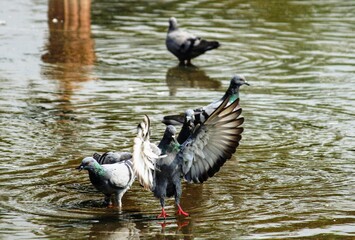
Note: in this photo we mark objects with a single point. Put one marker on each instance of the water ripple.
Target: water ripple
(292, 174)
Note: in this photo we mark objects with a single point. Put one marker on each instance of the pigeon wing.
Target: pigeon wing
(112, 157)
(180, 41)
(212, 143)
(145, 155)
(119, 175)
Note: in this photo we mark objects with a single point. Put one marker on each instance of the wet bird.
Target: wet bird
(184, 45)
(206, 149)
(200, 114)
(112, 179)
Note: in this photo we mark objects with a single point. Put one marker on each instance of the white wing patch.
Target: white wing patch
(145, 155)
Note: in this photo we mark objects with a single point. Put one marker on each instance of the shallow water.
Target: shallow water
(71, 88)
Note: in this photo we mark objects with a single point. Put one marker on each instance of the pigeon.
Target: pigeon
(184, 45)
(200, 114)
(112, 179)
(204, 152)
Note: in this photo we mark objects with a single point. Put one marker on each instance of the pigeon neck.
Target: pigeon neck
(168, 147)
(98, 169)
(233, 95)
(172, 28)
(173, 25)
(173, 146)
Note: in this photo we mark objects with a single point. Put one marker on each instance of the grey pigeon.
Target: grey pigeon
(184, 45)
(113, 180)
(207, 148)
(199, 115)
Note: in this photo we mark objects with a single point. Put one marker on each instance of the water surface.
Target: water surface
(76, 78)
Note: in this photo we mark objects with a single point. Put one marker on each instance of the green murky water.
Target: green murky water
(68, 89)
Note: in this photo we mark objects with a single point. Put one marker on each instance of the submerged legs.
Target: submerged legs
(177, 201)
(181, 212)
(163, 214)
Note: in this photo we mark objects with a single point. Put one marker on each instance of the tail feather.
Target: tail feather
(205, 45)
(96, 156)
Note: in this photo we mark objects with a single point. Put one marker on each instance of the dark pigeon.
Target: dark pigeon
(206, 149)
(184, 45)
(112, 179)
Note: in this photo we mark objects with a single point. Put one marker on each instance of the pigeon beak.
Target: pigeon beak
(80, 167)
(246, 83)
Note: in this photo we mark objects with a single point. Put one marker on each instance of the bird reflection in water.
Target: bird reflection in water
(179, 227)
(189, 76)
(70, 48)
(113, 228)
(132, 227)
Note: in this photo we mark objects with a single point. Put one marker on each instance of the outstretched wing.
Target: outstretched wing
(212, 143)
(145, 154)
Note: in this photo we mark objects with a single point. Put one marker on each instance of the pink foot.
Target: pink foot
(181, 212)
(163, 214)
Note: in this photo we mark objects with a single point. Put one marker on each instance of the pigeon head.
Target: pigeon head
(190, 117)
(173, 25)
(88, 163)
(170, 132)
(168, 139)
(236, 82)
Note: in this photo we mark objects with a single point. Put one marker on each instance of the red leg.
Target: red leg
(181, 212)
(163, 214)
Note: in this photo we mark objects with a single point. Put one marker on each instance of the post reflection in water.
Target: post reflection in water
(70, 48)
(189, 76)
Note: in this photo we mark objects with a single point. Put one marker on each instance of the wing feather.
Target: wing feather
(212, 142)
(145, 155)
(119, 175)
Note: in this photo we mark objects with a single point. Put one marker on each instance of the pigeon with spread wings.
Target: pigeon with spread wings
(208, 147)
